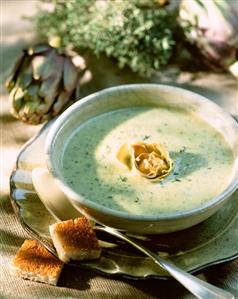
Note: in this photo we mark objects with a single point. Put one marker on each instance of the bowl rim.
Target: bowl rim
(87, 203)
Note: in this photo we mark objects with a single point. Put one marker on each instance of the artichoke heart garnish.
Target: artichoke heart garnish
(151, 161)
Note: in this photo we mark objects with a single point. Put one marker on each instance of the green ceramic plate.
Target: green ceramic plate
(211, 242)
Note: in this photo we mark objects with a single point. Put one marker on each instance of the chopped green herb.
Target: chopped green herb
(146, 137)
(183, 149)
(123, 179)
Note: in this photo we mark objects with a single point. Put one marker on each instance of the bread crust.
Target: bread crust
(32, 261)
(75, 239)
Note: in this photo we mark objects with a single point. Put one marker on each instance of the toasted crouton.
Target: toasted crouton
(75, 240)
(34, 262)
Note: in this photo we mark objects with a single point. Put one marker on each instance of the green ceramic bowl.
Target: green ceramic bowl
(131, 96)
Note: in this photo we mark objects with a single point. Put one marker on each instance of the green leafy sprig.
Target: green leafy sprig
(137, 33)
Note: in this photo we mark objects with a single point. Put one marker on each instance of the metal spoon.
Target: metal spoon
(56, 201)
(197, 287)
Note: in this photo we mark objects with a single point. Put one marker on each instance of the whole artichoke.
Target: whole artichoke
(211, 26)
(41, 84)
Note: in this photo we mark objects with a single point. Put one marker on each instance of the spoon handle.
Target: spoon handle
(197, 287)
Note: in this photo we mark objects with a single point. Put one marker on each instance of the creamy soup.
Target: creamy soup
(202, 161)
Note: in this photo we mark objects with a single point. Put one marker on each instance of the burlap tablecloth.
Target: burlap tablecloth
(81, 283)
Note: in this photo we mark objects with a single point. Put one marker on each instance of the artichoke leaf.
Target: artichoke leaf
(27, 97)
(13, 92)
(30, 107)
(21, 115)
(49, 88)
(19, 93)
(18, 103)
(39, 48)
(17, 98)
(77, 92)
(38, 66)
(25, 80)
(61, 101)
(10, 83)
(34, 119)
(14, 112)
(53, 65)
(11, 80)
(70, 75)
(44, 117)
(43, 107)
(32, 92)
(51, 85)
(25, 76)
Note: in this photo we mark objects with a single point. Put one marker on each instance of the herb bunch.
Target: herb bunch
(137, 33)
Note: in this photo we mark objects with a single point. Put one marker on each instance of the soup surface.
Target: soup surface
(202, 161)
